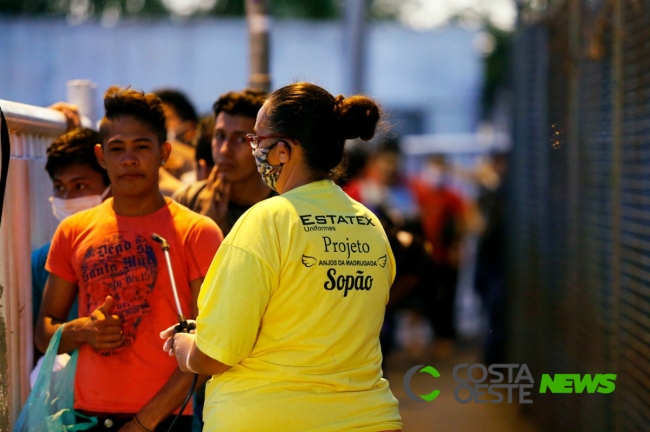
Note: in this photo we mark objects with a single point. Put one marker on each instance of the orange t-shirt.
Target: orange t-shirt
(107, 254)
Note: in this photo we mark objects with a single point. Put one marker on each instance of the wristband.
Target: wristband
(140, 425)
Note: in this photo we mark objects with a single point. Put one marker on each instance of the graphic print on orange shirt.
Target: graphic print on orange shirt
(125, 267)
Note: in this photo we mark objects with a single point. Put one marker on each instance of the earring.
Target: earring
(162, 162)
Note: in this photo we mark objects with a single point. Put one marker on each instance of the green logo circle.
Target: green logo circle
(407, 383)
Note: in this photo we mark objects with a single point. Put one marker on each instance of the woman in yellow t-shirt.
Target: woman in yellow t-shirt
(291, 308)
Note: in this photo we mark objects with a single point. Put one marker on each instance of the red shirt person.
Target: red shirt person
(443, 222)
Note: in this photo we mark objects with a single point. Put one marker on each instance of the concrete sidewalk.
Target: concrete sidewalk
(445, 413)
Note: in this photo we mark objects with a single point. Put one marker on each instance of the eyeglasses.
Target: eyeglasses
(255, 140)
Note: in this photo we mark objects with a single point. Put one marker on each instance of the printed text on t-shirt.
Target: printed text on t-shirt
(312, 222)
(345, 246)
(124, 266)
(348, 282)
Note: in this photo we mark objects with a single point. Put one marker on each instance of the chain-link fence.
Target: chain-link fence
(579, 297)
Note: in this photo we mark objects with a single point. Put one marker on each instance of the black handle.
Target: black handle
(184, 327)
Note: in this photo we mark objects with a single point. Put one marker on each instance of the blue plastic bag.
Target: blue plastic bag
(50, 406)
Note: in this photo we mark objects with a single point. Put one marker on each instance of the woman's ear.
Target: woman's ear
(284, 152)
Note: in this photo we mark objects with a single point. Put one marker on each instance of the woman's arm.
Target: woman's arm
(189, 357)
(204, 364)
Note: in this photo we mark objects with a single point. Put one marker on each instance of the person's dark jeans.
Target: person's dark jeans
(440, 302)
(198, 401)
(489, 284)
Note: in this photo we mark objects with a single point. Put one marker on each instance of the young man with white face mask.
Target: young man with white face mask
(79, 183)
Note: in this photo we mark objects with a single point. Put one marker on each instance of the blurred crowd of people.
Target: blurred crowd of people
(429, 216)
(209, 169)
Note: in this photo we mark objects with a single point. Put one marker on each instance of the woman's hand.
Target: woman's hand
(183, 347)
(179, 345)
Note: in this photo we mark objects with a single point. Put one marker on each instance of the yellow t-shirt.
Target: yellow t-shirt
(294, 301)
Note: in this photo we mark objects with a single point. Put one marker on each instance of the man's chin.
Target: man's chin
(133, 190)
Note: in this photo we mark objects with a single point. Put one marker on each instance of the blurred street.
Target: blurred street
(444, 414)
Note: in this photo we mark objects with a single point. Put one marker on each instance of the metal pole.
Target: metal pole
(165, 247)
(355, 45)
(573, 166)
(257, 15)
(83, 93)
(617, 158)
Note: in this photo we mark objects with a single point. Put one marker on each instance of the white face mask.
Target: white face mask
(62, 208)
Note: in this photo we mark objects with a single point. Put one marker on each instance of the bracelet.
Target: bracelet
(140, 425)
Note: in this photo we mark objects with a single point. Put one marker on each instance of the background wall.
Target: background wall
(430, 80)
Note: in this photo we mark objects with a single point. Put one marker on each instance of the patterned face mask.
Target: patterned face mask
(269, 173)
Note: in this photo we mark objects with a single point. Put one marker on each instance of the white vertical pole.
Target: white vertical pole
(355, 45)
(83, 93)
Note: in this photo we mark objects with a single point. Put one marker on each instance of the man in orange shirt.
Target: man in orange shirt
(106, 255)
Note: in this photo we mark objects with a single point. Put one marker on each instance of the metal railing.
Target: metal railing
(27, 224)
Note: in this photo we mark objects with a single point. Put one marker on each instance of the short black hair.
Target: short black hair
(244, 103)
(75, 147)
(146, 107)
(179, 101)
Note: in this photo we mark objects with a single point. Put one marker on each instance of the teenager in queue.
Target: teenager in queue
(292, 306)
(106, 256)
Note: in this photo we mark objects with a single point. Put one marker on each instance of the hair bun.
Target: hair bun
(358, 115)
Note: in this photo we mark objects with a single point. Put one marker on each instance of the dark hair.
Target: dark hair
(321, 122)
(75, 147)
(244, 103)
(179, 101)
(146, 107)
(203, 141)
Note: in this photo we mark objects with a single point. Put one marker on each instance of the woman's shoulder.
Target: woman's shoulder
(263, 214)
(267, 207)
